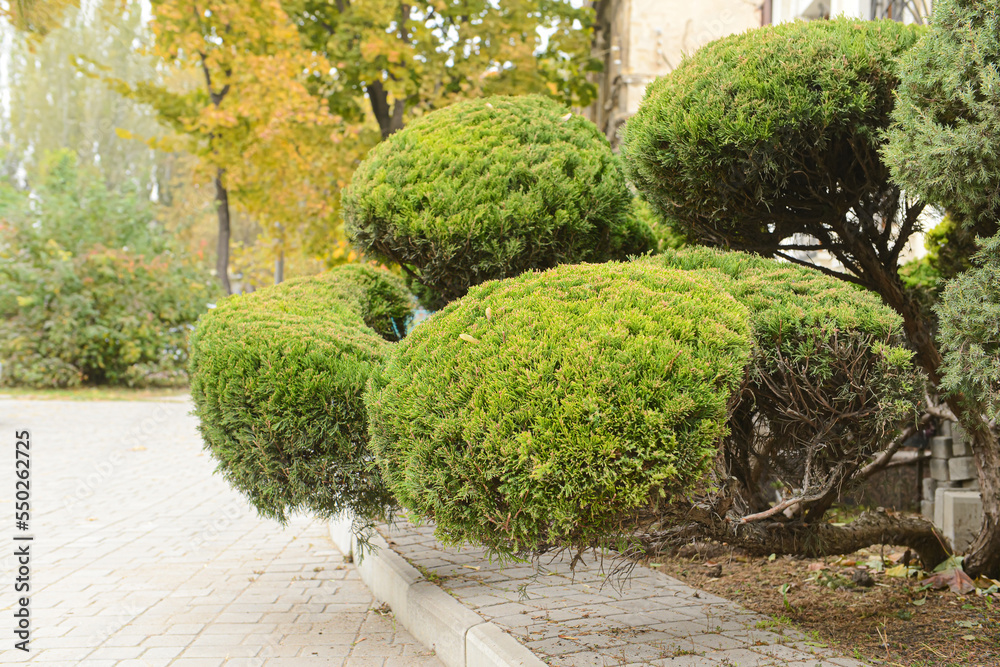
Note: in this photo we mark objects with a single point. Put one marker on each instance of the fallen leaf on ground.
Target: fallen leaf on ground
(955, 580)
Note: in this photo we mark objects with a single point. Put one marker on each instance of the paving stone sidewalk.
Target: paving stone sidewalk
(143, 557)
(583, 619)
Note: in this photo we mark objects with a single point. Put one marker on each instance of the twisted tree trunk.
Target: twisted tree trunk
(810, 539)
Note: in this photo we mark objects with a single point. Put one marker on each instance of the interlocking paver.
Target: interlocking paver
(143, 557)
(590, 616)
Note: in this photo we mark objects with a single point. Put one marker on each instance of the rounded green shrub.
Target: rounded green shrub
(277, 378)
(552, 408)
(771, 133)
(488, 189)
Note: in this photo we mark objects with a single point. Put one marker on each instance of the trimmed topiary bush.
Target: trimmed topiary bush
(488, 189)
(772, 132)
(552, 409)
(277, 378)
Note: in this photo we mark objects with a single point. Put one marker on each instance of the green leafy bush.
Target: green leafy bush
(667, 232)
(970, 336)
(553, 408)
(92, 291)
(277, 378)
(828, 385)
(487, 189)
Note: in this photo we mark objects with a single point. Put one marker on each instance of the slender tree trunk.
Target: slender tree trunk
(389, 119)
(222, 252)
(984, 553)
(279, 268)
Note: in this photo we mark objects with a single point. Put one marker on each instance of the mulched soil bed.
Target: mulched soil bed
(846, 603)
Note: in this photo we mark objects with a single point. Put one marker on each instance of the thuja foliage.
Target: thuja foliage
(828, 384)
(970, 336)
(667, 232)
(771, 133)
(551, 409)
(942, 144)
(277, 378)
(490, 188)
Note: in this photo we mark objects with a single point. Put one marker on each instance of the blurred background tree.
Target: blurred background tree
(224, 124)
(93, 288)
(290, 96)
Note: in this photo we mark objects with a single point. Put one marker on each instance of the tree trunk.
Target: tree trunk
(389, 120)
(815, 540)
(222, 249)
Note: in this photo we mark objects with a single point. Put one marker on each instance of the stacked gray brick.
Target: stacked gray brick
(950, 496)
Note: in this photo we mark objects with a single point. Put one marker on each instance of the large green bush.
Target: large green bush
(490, 188)
(771, 133)
(277, 378)
(92, 290)
(829, 383)
(943, 147)
(553, 408)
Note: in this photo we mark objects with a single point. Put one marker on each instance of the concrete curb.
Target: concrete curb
(459, 636)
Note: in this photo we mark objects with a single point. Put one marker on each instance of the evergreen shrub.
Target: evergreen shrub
(943, 142)
(487, 189)
(771, 133)
(551, 409)
(277, 378)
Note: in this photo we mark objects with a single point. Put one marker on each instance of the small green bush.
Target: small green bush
(92, 290)
(667, 233)
(970, 336)
(487, 189)
(277, 378)
(552, 408)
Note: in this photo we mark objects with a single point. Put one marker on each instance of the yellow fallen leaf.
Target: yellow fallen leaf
(467, 338)
(471, 567)
(897, 571)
